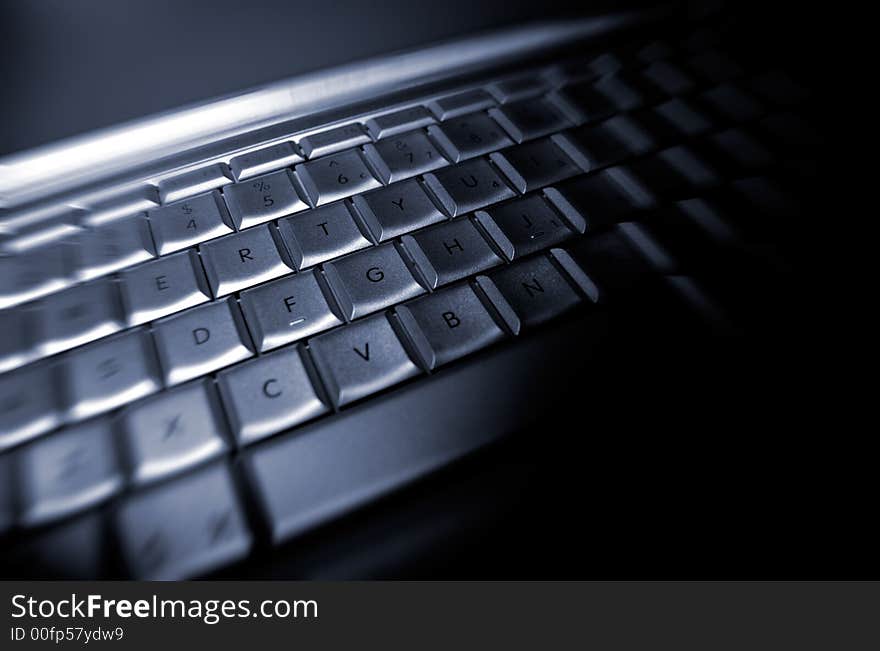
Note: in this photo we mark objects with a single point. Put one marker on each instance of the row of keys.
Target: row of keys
(163, 435)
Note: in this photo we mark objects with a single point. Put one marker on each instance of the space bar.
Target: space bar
(321, 472)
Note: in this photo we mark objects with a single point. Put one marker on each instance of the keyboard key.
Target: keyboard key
(113, 246)
(109, 373)
(35, 273)
(391, 124)
(288, 309)
(321, 234)
(596, 146)
(162, 287)
(585, 104)
(461, 103)
(395, 210)
(262, 199)
(16, 344)
(242, 260)
(172, 431)
(714, 66)
(535, 290)
(78, 315)
(469, 136)
(201, 340)
(684, 117)
(371, 280)
(732, 103)
(613, 261)
(336, 177)
(29, 404)
(739, 152)
(77, 549)
(514, 90)
(184, 528)
(195, 182)
(333, 140)
(534, 165)
(530, 119)
(266, 395)
(448, 325)
(675, 173)
(530, 225)
(600, 199)
(360, 359)
(7, 503)
(180, 225)
(468, 186)
(264, 160)
(450, 252)
(668, 78)
(407, 155)
(128, 203)
(68, 472)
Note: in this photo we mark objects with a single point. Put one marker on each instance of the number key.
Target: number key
(335, 177)
(406, 155)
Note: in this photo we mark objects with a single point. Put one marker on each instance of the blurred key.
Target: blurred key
(76, 549)
(336, 177)
(714, 66)
(242, 260)
(29, 404)
(321, 234)
(195, 182)
(732, 103)
(266, 395)
(16, 344)
(201, 340)
(371, 280)
(263, 199)
(189, 222)
(78, 315)
(260, 161)
(465, 102)
(391, 124)
(448, 325)
(162, 287)
(33, 274)
(529, 224)
(288, 309)
(67, 472)
(668, 77)
(360, 359)
(395, 210)
(406, 155)
(450, 252)
(172, 431)
(468, 186)
(514, 90)
(184, 528)
(7, 504)
(530, 119)
(684, 117)
(584, 103)
(534, 165)
(332, 140)
(469, 136)
(535, 290)
(109, 373)
(600, 199)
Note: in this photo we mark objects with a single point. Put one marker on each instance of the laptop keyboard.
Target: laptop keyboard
(142, 354)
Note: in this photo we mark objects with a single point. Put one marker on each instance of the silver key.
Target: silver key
(243, 260)
(530, 119)
(461, 103)
(162, 287)
(184, 528)
(263, 199)
(321, 234)
(407, 155)
(28, 404)
(390, 124)
(371, 280)
(16, 342)
(135, 201)
(360, 359)
(468, 186)
(113, 246)
(395, 210)
(33, 274)
(269, 394)
(172, 431)
(68, 472)
(288, 309)
(201, 340)
(195, 182)
(469, 136)
(264, 160)
(7, 506)
(336, 177)
(109, 373)
(513, 90)
(78, 315)
(180, 225)
(332, 140)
